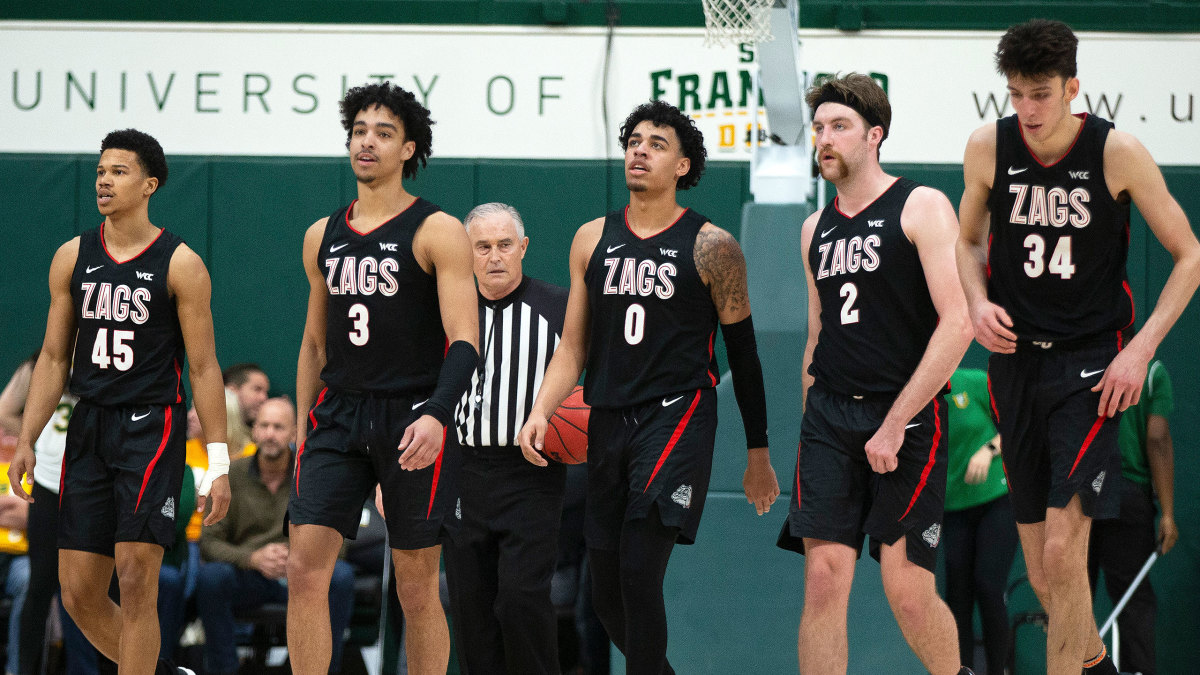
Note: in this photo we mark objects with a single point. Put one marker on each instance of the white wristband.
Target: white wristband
(218, 465)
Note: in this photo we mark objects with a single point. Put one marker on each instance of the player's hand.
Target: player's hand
(884, 446)
(1168, 534)
(993, 328)
(759, 482)
(21, 465)
(421, 444)
(1121, 384)
(218, 497)
(531, 437)
(977, 467)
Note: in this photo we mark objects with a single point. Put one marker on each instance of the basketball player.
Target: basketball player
(887, 325)
(1045, 232)
(133, 299)
(648, 287)
(391, 332)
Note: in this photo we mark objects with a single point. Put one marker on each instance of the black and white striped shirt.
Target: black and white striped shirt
(517, 336)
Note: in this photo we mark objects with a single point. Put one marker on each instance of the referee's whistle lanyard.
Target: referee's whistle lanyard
(481, 370)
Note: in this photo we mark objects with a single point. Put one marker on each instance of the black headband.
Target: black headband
(831, 95)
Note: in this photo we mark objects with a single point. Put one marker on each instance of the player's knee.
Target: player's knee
(826, 585)
(1062, 563)
(307, 577)
(417, 595)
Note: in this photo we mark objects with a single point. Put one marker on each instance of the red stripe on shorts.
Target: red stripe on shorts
(674, 439)
(437, 471)
(992, 399)
(937, 436)
(178, 383)
(1087, 442)
(312, 419)
(162, 445)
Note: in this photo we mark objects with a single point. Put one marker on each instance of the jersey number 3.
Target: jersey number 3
(360, 316)
(121, 356)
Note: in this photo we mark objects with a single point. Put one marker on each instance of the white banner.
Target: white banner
(529, 92)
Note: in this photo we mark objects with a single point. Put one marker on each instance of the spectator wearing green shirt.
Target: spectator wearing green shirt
(978, 531)
(1121, 546)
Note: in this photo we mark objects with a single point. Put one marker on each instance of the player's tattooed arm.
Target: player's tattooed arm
(722, 266)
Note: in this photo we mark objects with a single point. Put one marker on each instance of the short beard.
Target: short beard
(636, 187)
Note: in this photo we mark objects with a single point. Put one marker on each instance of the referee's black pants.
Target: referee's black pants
(1120, 547)
(499, 566)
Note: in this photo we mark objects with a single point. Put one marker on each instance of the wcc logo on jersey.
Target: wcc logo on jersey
(630, 276)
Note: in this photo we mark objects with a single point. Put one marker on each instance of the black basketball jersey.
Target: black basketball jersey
(128, 345)
(1056, 261)
(876, 313)
(383, 329)
(652, 318)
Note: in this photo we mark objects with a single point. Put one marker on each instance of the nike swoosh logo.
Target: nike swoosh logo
(1089, 373)
(914, 424)
(828, 231)
(138, 417)
(613, 248)
(93, 269)
(418, 405)
(673, 401)
(1012, 171)
(338, 247)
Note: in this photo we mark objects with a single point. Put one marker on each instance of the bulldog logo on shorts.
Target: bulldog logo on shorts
(683, 496)
(458, 509)
(933, 535)
(1096, 484)
(168, 508)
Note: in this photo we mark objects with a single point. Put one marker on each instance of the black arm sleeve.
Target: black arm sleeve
(460, 363)
(747, 374)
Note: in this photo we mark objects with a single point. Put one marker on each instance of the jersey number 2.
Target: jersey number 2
(360, 316)
(849, 313)
(121, 357)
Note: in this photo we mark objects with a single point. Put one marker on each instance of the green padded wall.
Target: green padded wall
(246, 217)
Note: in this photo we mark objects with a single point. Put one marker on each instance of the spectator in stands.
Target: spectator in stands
(14, 562)
(246, 387)
(979, 533)
(42, 533)
(1122, 545)
(246, 553)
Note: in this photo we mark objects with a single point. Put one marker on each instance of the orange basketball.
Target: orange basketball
(566, 432)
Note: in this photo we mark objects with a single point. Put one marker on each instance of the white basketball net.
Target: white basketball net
(736, 21)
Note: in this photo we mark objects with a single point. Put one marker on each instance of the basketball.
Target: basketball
(566, 432)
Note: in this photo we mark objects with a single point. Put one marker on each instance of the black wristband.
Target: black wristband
(453, 380)
(746, 370)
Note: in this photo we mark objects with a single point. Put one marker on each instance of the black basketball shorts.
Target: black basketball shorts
(352, 445)
(837, 497)
(121, 476)
(1053, 442)
(657, 452)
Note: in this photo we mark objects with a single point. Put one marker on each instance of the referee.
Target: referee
(500, 565)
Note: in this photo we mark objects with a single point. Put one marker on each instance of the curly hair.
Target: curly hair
(1037, 48)
(149, 153)
(663, 114)
(404, 105)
